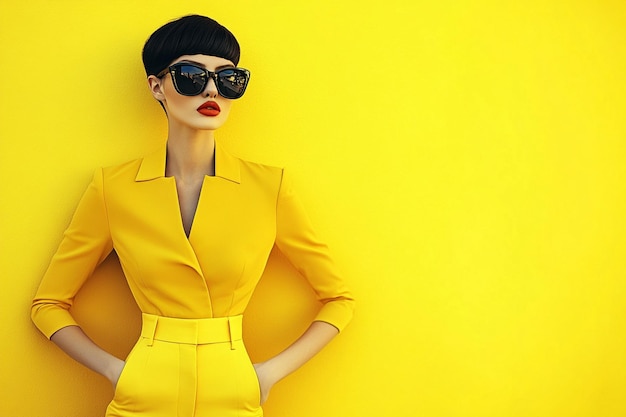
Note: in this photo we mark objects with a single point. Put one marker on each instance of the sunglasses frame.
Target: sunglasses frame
(208, 74)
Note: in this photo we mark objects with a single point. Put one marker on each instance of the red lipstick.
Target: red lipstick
(210, 108)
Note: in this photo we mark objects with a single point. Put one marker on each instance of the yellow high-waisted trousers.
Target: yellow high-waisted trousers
(187, 368)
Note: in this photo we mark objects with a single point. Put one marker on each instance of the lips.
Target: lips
(210, 108)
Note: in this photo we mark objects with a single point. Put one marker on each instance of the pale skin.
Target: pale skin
(190, 157)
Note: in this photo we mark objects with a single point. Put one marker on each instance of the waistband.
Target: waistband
(191, 331)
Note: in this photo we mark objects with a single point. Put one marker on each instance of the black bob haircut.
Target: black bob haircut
(188, 35)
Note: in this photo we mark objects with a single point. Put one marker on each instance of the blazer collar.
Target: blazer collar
(153, 165)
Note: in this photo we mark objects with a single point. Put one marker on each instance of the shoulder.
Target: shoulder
(260, 169)
(264, 178)
(125, 171)
(128, 167)
(149, 167)
(250, 171)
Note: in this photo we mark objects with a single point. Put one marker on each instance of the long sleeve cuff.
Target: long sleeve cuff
(50, 318)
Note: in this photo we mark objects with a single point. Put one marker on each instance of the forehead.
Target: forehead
(207, 61)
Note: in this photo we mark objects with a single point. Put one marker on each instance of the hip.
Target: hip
(187, 367)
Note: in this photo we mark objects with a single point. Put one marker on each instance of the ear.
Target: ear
(156, 87)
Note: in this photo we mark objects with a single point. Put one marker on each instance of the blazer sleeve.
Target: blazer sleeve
(296, 238)
(86, 243)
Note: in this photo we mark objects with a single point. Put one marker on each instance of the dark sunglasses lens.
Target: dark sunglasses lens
(189, 80)
(232, 82)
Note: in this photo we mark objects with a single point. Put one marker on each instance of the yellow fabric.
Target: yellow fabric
(166, 374)
(242, 212)
(192, 331)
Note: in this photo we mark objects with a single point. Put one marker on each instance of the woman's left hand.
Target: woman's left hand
(266, 380)
(274, 369)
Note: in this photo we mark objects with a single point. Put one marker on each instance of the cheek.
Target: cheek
(225, 107)
(178, 104)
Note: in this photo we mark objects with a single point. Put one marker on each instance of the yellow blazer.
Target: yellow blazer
(243, 211)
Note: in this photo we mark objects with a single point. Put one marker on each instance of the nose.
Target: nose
(211, 88)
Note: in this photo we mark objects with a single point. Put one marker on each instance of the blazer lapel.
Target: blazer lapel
(214, 199)
(163, 192)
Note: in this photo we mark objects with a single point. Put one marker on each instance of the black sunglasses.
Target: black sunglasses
(191, 80)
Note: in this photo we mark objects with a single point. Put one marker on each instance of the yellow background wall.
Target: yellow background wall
(464, 159)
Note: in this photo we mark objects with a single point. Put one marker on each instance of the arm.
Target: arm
(299, 242)
(312, 341)
(86, 243)
(296, 238)
(73, 341)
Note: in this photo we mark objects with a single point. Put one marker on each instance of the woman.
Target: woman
(193, 227)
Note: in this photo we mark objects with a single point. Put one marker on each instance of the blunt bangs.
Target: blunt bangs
(189, 35)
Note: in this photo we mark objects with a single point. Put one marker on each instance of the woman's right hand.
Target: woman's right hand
(115, 371)
(73, 341)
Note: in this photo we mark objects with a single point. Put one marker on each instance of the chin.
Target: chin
(208, 126)
(210, 123)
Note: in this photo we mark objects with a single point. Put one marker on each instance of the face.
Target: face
(205, 111)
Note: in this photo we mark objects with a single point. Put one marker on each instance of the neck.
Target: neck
(190, 153)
